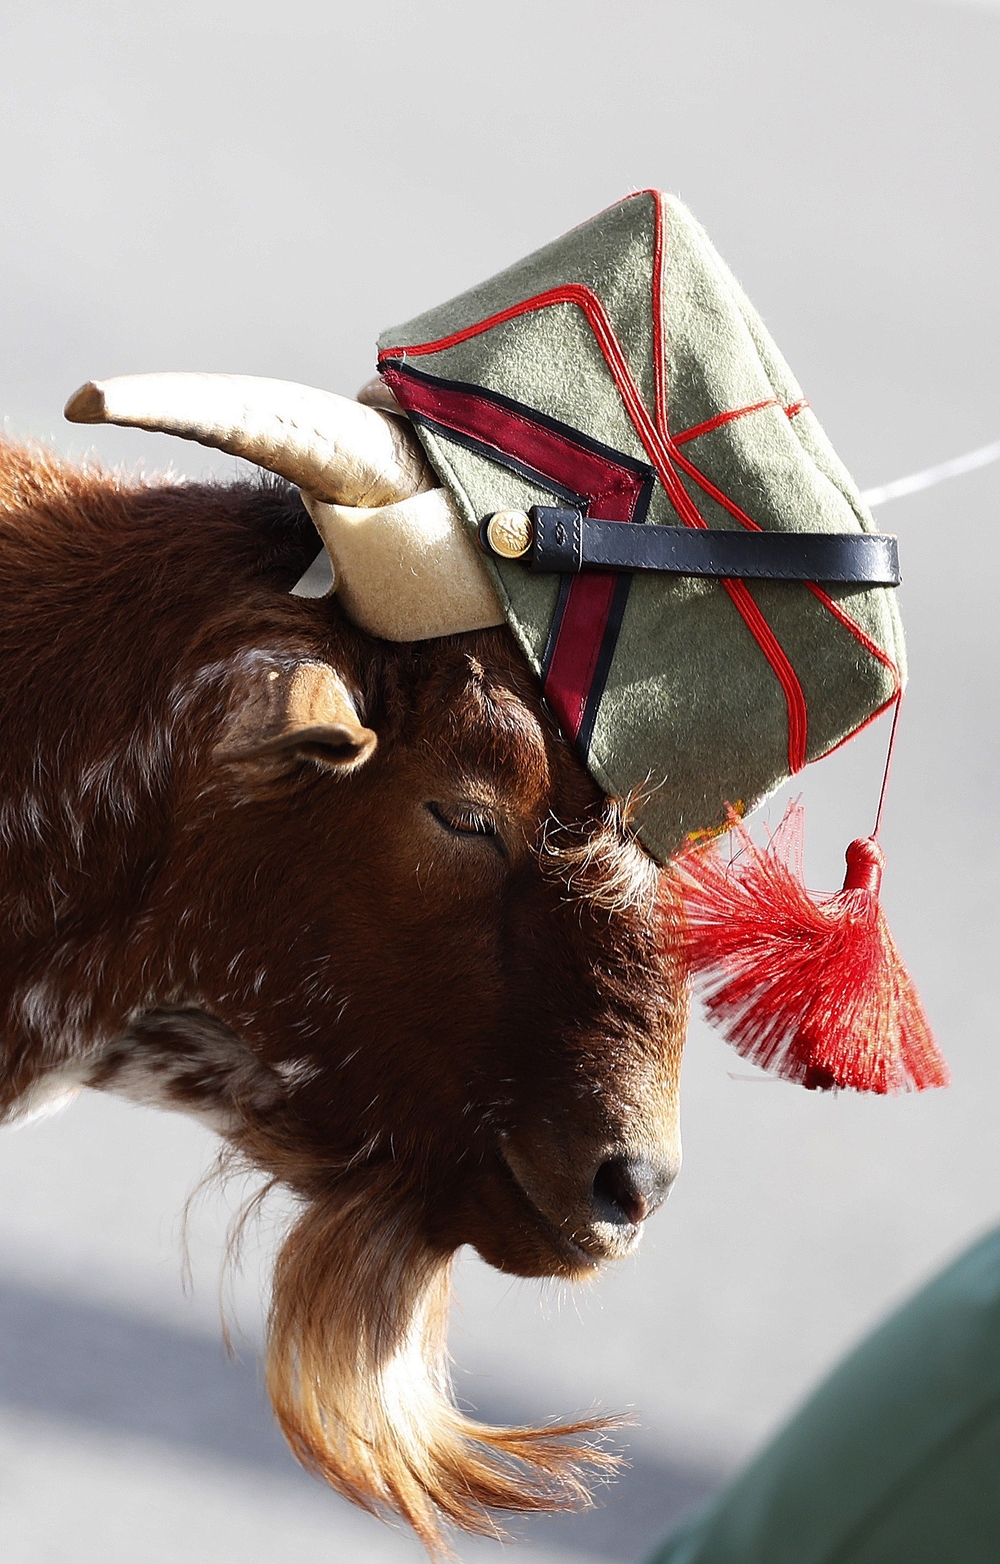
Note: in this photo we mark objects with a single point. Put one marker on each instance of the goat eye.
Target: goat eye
(464, 819)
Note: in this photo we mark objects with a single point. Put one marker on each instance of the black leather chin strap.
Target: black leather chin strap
(566, 542)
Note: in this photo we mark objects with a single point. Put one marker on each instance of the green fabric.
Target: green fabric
(894, 1460)
(693, 717)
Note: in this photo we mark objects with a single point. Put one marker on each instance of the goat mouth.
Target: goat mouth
(573, 1255)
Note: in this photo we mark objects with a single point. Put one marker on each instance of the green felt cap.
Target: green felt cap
(622, 370)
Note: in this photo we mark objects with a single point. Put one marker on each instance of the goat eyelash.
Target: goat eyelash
(463, 820)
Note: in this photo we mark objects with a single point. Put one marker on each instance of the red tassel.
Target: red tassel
(811, 987)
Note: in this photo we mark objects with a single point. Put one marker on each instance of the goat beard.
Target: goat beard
(357, 1370)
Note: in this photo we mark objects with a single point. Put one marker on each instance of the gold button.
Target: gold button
(510, 533)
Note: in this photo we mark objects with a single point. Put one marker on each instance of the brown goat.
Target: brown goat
(356, 905)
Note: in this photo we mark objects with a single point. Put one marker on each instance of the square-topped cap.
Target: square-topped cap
(621, 370)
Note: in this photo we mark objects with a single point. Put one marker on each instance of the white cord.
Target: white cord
(981, 457)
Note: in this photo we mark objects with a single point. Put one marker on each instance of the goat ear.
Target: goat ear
(304, 711)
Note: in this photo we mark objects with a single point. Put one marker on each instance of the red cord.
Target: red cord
(888, 763)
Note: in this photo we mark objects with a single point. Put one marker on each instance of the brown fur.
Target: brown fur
(429, 1037)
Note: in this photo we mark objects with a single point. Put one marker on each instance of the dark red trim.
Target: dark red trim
(577, 649)
(602, 667)
(613, 489)
(597, 318)
(584, 638)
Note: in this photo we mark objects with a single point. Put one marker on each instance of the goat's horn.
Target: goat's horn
(335, 449)
(409, 571)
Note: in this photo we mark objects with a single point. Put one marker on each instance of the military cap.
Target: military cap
(683, 559)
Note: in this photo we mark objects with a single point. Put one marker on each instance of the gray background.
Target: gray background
(261, 188)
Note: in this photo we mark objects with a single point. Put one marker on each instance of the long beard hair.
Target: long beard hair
(357, 1371)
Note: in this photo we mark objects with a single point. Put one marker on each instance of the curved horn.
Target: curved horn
(375, 393)
(333, 448)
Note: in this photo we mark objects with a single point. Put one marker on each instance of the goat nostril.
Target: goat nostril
(629, 1189)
